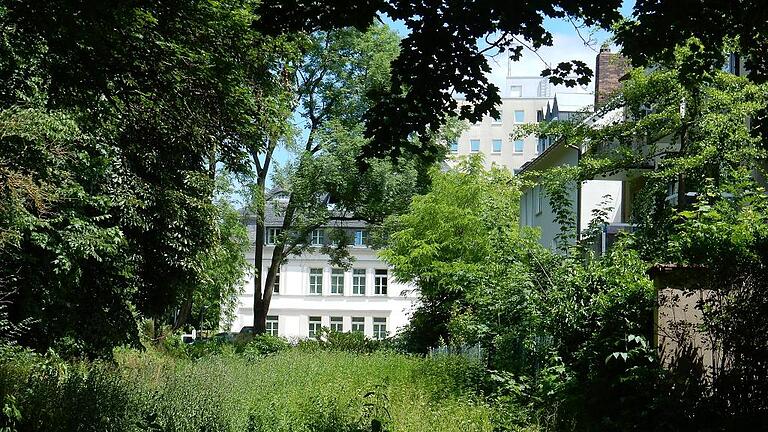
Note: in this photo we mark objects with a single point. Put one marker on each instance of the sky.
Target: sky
(568, 45)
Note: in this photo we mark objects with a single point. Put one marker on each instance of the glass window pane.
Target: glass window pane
(497, 146)
(474, 145)
(519, 116)
(519, 146)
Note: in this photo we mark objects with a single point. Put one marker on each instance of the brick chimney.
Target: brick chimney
(609, 68)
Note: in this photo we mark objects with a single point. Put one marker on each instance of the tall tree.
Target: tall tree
(333, 80)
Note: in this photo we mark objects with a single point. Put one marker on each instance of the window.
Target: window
(474, 145)
(497, 120)
(361, 238)
(542, 144)
(272, 321)
(337, 281)
(318, 237)
(516, 91)
(496, 148)
(337, 324)
(315, 281)
(380, 282)
(358, 325)
(379, 328)
(519, 116)
(272, 234)
(314, 326)
(541, 199)
(537, 195)
(358, 281)
(519, 146)
(454, 145)
(276, 283)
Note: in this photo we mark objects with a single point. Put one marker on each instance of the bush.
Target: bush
(264, 344)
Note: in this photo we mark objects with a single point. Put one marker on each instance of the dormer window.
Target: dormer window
(361, 238)
(318, 237)
(272, 234)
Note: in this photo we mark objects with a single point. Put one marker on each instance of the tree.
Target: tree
(461, 246)
(333, 80)
(114, 119)
(441, 55)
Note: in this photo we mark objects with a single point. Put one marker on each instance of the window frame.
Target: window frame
(335, 275)
(356, 287)
(522, 146)
(313, 278)
(270, 236)
(272, 330)
(363, 238)
(358, 325)
(314, 327)
(472, 146)
(317, 238)
(453, 146)
(519, 120)
(337, 321)
(380, 289)
(379, 325)
(493, 145)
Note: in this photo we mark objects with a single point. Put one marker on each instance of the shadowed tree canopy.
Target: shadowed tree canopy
(441, 56)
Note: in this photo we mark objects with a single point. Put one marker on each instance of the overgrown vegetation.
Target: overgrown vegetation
(289, 390)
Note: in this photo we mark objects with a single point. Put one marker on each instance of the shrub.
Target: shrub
(264, 344)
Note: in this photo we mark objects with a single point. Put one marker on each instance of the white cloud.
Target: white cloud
(566, 47)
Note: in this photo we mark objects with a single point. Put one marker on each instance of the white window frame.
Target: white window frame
(337, 324)
(363, 238)
(337, 281)
(380, 288)
(514, 149)
(271, 234)
(453, 146)
(471, 146)
(273, 325)
(516, 91)
(315, 324)
(538, 195)
(380, 328)
(359, 279)
(317, 237)
(314, 277)
(493, 145)
(276, 282)
(358, 325)
(518, 121)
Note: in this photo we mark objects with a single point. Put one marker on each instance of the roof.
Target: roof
(573, 102)
(273, 217)
(597, 120)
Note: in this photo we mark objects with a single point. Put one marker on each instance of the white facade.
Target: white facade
(527, 100)
(311, 291)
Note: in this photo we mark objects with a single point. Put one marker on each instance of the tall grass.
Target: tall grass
(292, 390)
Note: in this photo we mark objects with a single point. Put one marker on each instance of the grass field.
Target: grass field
(289, 391)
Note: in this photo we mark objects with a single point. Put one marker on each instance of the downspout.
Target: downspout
(578, 192)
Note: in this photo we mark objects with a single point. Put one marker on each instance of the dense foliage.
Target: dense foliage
(286, 391)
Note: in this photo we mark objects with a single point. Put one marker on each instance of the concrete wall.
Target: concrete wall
(488, 130)
(294, 305)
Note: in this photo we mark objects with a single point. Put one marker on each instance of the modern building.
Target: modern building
(525, 100)
(310, 293)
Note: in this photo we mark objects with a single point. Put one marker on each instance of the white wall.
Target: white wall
(294, 305)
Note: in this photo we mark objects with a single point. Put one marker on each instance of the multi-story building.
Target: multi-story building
(525, 100)
(309, 293)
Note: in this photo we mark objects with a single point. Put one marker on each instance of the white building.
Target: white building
(309, 293)
(525, 100)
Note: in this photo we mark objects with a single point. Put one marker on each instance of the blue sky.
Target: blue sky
(567, 46)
